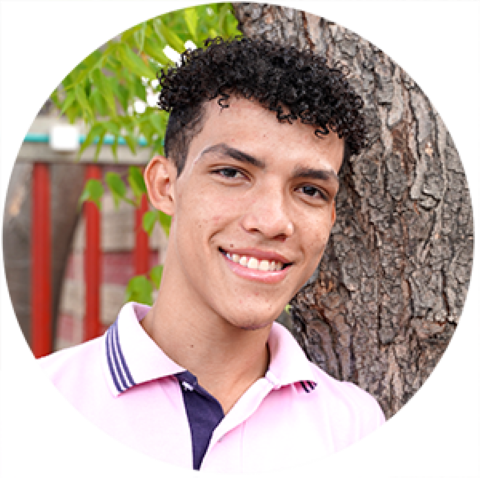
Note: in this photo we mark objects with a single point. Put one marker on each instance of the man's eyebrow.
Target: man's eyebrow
(299, 171)
(322, 174)
(233, 153)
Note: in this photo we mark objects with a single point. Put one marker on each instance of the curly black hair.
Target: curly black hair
(293, 83)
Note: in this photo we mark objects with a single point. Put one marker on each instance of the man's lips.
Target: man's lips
(267, 277)
(259, 255)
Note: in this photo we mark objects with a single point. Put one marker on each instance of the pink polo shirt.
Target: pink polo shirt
(296, 413)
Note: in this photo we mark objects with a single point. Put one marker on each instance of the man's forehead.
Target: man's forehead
(243, 110)
(235, 103)
(251, 128)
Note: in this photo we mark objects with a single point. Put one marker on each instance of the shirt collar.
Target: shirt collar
(132, 357)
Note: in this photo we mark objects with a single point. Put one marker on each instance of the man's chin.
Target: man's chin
(255, 326)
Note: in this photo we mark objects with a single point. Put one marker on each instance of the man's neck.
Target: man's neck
(225, 359)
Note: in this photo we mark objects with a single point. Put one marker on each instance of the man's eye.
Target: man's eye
(313, 192)
(229, 172)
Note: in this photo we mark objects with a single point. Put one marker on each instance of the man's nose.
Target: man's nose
(268, 214)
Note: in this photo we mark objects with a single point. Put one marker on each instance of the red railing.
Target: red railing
(41, 263)
(42, 327)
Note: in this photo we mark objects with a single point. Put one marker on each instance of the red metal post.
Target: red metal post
(92, 322)
(142, 249)
(41, 262)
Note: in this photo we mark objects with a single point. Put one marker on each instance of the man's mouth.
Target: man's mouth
(255, 263)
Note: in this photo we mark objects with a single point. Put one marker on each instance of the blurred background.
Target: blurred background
(46, 178)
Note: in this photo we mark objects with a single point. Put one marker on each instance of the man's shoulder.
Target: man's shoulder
(347, 400)
(74, 364)
(290, 364)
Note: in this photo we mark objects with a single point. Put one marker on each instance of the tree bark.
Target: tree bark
(389, 291)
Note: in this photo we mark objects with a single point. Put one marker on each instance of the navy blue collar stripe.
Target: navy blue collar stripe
(308, 386)
(121, 375)
(304, 387)
(122, 358)
(109, 359)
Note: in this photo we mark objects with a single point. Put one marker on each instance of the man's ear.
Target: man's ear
(160, 176)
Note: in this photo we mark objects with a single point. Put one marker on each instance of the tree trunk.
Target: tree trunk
(390, 288)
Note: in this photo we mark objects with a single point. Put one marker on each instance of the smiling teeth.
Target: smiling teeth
(253, 263)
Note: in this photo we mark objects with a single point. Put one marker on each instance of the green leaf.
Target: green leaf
(139, 90)
(139, 36)
(87, 86)
(93, 191)
(116, 186)
(105, 90)
(70, 98)
(93, 61)
(111, 127)
(129, 201)
(155, 51)
(120, 92)
(156, 24)
(95, 131)
(83, 197)
(139, 289)
(223, 24)
(156, 275)
(145, 127)
(171, 38)
(130, 140)
(158, 123)
(135, 179)
(165, 221)
(134, 63)
(148, 221)
(157, 147)
(98, 103)
(112, 63)
(115, 148)
(214, 7)
(73, 113)
(191, 19)
(83, 101)
(99, 145)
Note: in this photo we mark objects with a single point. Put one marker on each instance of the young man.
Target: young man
(205, 378)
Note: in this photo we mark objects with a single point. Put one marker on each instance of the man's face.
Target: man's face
(252, 213)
